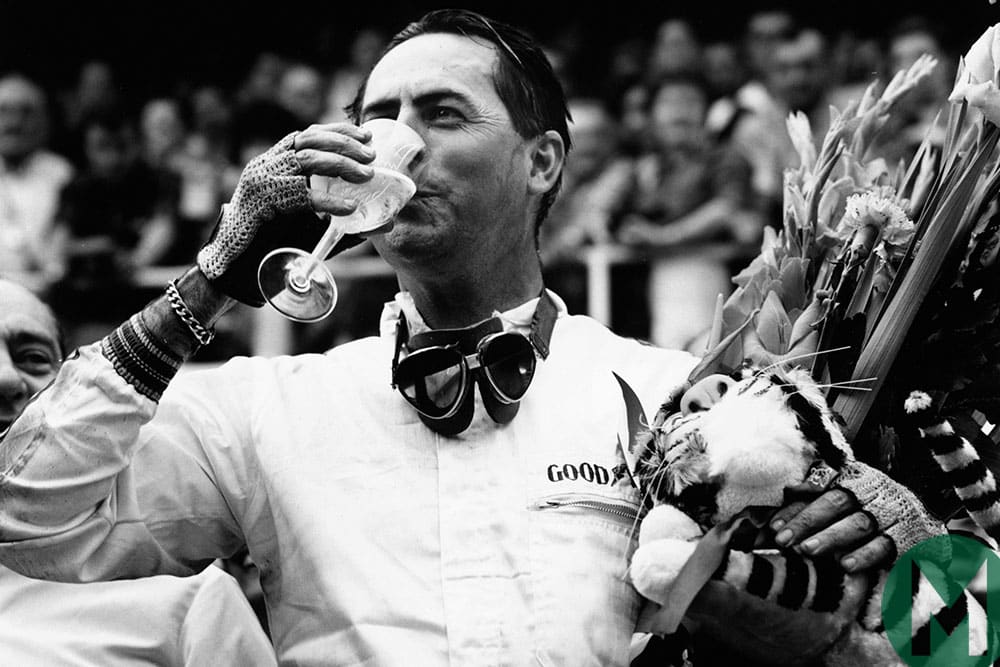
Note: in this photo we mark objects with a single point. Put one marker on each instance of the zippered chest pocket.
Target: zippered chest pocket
(584, 605)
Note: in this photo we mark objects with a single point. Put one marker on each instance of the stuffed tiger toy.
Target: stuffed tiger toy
(730, 443)
(963, 468)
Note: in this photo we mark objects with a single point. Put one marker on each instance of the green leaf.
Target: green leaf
(880, 352)
(793, 289)
(773, 325)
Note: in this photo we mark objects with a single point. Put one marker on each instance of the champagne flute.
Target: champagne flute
(297, 283)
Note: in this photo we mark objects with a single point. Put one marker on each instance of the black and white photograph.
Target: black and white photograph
(500, 334)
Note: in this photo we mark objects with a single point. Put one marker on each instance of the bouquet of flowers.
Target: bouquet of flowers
(884, 278)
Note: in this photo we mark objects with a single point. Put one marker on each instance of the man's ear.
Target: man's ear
(547, 156)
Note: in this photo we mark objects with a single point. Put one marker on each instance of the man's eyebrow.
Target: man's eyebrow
(28, 336)
(390, 106)
(379, 108)
(436, 96)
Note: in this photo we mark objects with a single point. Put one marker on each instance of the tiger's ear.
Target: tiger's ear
(670, 406)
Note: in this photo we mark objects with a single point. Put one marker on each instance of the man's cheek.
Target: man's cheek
(37, 383)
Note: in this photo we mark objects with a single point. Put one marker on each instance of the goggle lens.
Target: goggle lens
(509, 363)
(433, 380)
(438, 374)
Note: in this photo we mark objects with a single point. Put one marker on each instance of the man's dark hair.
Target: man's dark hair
(524, 79)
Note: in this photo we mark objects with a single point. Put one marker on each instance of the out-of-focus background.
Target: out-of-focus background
(124, 126)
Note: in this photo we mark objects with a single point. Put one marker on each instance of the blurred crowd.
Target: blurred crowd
(679, 146)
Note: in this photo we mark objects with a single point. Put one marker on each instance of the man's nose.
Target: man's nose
(705, 393)
(12, 385)
(415, 160)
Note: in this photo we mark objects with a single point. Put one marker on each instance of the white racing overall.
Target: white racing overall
(379, 542)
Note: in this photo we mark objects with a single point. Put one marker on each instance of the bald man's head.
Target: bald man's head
(31, 348)
(23, 118)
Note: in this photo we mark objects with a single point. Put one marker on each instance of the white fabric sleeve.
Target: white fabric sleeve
(220, 627)
(88, 492)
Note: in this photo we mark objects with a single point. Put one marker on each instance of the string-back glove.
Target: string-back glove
(896, 510)
(271, 208)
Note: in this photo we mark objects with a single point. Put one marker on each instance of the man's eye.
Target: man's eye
(445, 113)
(35, 361)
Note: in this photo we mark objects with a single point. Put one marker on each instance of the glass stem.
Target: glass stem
(331, 237)
(302, 271)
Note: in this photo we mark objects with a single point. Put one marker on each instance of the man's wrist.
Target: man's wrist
(148, 349)
(206, 303)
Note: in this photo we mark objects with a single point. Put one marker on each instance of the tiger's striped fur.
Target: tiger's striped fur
(964, 470)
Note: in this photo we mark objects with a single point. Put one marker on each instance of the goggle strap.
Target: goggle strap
(542, 323)
(402, 335)
(498, 407)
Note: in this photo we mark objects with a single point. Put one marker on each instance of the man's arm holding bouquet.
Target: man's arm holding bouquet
(789, 621)
(795, 575)
(69, 494)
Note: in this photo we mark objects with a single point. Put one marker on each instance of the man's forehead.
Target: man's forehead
(435, 60)
(19, 90)
(24, 313)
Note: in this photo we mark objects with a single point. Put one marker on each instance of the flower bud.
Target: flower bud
(979, 64)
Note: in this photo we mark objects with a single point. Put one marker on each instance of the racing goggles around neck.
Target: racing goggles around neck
(441, 366)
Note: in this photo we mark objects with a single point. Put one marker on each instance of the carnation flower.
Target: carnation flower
(878, 208)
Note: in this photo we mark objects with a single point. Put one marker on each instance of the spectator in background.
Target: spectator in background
(301, 90)
(212, 118)
(207, 169)
(857, 62)
(31, 179)
(94, 91)
(637, 65)
(163, 132)
(675, 50)
(364, 50)
(633, 118)
(262, 79)
(691, 207)
(797, 81)
(724, 71)
(626, 65)
(595, 184)
(764, 31)
(119, 215)
(167, 621)
(196, 168)
(914, 115)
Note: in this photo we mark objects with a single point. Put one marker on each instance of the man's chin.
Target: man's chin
(409, 242)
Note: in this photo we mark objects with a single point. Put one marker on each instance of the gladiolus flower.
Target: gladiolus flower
(977, 83)
(985, 97)
(801, 135)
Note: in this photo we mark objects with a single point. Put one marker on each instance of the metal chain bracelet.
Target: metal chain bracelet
(202, 335)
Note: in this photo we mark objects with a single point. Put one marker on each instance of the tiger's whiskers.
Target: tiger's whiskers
(847, 384)
(806, 355)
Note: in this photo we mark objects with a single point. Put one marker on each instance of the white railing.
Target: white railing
(272, 334)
